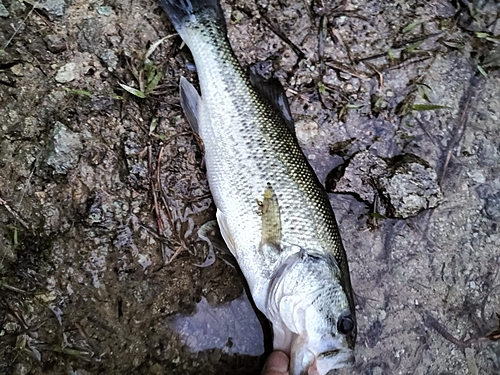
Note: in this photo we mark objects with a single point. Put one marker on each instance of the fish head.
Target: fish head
(312, 315)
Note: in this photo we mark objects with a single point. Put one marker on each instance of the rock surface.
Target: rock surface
(404, 185)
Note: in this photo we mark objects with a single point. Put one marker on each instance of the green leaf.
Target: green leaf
(482, 71)
(411, 26)
(154, 82)
(376, 215)
(489, 37)
(453, 44)
(414, 46)
(321, 88)
(405, 136)
(133, 91)
(427, 107)
(150, 71)
(152, 125)
(379, 102)
(354, 106)
(421, 91)
(78, 92)
(482, 35)
(16, 240)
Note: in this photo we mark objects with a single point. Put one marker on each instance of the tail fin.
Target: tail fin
(183, 13)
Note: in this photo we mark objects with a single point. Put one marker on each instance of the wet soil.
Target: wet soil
(102, 191)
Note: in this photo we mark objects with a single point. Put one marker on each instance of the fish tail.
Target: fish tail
(190, 13)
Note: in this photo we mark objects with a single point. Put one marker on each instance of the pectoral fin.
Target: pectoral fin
(191, 103)
(271, 221)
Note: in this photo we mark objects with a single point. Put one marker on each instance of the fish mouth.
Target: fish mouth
(304, 360)
(333, 360)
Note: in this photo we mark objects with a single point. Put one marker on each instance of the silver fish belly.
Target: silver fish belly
(273, 212)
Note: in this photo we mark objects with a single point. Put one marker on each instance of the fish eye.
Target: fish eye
(345, 324)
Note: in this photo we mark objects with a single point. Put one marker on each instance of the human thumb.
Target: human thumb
(276, 364)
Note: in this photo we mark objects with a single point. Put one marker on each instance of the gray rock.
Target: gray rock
(410, 187)
(108, 56)
(492, 207)
(104, 10)
(65, 149)
(358, 176)
(54, 8)
(66, 73)
(89, 35)
(405, 184)
(3, 11)
(21, 369)
(54, 43)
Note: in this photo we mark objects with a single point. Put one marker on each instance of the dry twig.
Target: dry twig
(433, 323)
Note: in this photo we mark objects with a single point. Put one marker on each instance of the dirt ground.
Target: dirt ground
(102, 188)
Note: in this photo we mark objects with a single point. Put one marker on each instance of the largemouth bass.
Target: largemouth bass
(273, 213)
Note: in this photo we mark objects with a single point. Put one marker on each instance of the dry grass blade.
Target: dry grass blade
(13, 213)
(155, 45)
(346, 69)
(19, 28)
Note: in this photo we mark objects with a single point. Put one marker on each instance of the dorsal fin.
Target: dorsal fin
(271, 90)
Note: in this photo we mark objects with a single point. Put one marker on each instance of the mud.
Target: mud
(102, 192)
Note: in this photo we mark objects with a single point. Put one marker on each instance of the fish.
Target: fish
(272, 211)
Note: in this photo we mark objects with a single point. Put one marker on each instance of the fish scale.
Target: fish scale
(302, 282)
